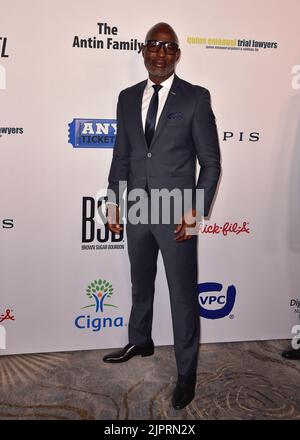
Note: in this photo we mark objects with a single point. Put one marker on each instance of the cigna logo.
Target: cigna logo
(99, 293)
(214, 302)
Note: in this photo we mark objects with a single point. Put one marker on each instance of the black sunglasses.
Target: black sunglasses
(170, 48)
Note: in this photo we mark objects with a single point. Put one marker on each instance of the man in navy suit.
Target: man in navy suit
(164, 125)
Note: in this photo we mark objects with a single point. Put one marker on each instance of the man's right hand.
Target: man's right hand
(113, 218)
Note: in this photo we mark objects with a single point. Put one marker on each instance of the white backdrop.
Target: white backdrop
(47, 82)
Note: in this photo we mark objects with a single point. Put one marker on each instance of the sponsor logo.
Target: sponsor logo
(295, 305)
(296, 338)
(6, 316)
(92, 133)
(7, 223)
(226, 229)
(214, 302)
(2, 78)
(246, 45)
(2, 338)
(296, 77)
(95, 234)
(3, 50)
(240, 136)
(109, 40)
(99, 293)
(3, 54)
(10, 131)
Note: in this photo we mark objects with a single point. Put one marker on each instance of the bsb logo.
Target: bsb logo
(92, 133)
(100, 293)
(93, 233)
(214, 302)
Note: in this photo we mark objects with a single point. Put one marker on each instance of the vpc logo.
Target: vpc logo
(99, 292)
(214, 302)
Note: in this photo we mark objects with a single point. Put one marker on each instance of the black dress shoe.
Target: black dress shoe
(184, 391)
(292, 354)
(126, 353)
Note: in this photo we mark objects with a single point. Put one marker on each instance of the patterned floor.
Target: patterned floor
(245, 380)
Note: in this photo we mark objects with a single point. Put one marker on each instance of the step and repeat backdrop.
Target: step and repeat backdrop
(64, 278)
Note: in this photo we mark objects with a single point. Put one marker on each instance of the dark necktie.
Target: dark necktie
(151, 115)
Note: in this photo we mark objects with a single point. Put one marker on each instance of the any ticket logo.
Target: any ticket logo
(92, 133)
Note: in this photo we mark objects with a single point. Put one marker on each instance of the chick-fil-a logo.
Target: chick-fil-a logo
(226, 229)
(7, 316)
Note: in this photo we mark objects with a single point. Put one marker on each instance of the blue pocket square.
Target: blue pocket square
(175, 115)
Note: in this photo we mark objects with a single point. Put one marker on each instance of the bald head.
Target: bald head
(163, 29)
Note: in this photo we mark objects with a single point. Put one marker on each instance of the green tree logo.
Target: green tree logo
(100, 291)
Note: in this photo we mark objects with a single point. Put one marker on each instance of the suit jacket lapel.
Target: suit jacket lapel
(138, 112)
(167, 107)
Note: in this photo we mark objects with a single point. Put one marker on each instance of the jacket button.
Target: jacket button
(149, 154)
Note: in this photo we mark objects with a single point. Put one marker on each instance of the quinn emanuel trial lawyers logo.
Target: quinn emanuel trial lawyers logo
(100, 292)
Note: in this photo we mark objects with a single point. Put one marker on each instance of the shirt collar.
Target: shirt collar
(167, 83)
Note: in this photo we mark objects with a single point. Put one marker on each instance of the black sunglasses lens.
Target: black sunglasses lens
(171, 48)
(155, 46)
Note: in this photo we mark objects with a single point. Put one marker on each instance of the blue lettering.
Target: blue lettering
(118, 322)
(96, 324)
(109, 320)
(203, 299)
(227, 301)
(77, 321)
(88, 321)
(85, 322)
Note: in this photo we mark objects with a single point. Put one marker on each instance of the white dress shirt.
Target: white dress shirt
(162, 97)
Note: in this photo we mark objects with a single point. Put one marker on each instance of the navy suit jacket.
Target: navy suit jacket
(186, 131)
